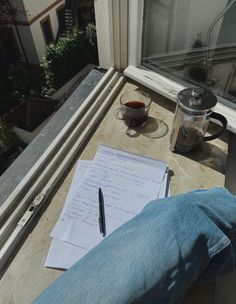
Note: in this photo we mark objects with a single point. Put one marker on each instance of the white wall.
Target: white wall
(104, 27)
(188, 18)
(203, 12)
(37, 33)
(31, 35)
(35, 7)
(155, 28)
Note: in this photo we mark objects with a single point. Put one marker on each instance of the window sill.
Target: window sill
(29, 261)
(68, 133)
(170, 89)
(21, 166)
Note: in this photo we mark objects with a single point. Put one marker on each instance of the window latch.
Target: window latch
(31, 210)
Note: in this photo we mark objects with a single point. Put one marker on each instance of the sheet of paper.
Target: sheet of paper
(63, 255)
(80, 171)
(128, 182)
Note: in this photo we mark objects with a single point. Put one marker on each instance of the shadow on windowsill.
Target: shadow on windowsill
(209, 155)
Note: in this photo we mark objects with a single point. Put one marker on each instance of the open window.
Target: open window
(193, 43)
(47, 30)
(177, 44)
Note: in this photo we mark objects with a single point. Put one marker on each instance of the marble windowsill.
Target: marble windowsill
(22, 165)
(26, 276)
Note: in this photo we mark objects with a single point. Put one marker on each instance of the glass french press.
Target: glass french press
(193, 113)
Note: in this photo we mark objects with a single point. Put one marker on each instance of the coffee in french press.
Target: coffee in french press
(192, 116)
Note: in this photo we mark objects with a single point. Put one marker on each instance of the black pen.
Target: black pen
(102, 221)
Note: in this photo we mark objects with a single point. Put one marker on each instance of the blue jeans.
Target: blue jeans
(157, 255)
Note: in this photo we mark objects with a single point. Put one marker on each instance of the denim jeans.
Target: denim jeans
(157, 255)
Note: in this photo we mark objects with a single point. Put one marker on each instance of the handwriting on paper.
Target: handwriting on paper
(128, 182)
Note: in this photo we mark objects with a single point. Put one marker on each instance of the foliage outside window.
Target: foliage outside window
(18, 82)
(69, 55)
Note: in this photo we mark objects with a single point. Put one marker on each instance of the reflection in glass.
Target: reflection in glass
(193, 42)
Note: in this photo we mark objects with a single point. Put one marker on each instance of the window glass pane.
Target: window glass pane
(193, 42)
(47, 31)
(61, 18)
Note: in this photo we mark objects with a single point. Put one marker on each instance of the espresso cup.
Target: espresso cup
(134, 108)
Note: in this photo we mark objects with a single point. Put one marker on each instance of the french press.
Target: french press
(193, 113)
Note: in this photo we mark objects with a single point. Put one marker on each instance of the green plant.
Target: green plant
(8, 139)
(17, 82)
(91, 35)
(25, 81)
(69, 55)
(195, 60)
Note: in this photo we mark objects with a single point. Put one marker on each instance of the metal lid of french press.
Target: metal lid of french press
(196, 100)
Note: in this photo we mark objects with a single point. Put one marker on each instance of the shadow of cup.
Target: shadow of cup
(153, 128)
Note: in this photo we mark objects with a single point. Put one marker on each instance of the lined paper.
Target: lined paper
(128, 182)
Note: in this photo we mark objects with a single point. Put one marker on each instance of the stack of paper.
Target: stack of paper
(128, 182)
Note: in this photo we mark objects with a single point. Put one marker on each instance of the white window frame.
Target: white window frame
(154, 80)
(18, 211)
(112, 33)
(20, 208)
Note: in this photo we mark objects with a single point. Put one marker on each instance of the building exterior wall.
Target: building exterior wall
(34, 8)
(30, 29)
(37, 33)
(28, 44)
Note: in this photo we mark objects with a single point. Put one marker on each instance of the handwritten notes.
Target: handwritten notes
(128, 182)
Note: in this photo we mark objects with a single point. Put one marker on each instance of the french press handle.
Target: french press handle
(223, 121)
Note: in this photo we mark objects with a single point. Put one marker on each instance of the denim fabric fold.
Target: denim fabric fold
(157, 255)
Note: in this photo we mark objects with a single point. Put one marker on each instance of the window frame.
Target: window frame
(111, 18)
(45, 19)
(153, 80)
(58, 9)
(23, 205)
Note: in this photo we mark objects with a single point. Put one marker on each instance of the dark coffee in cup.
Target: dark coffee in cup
(135, 113)
(134, 108)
